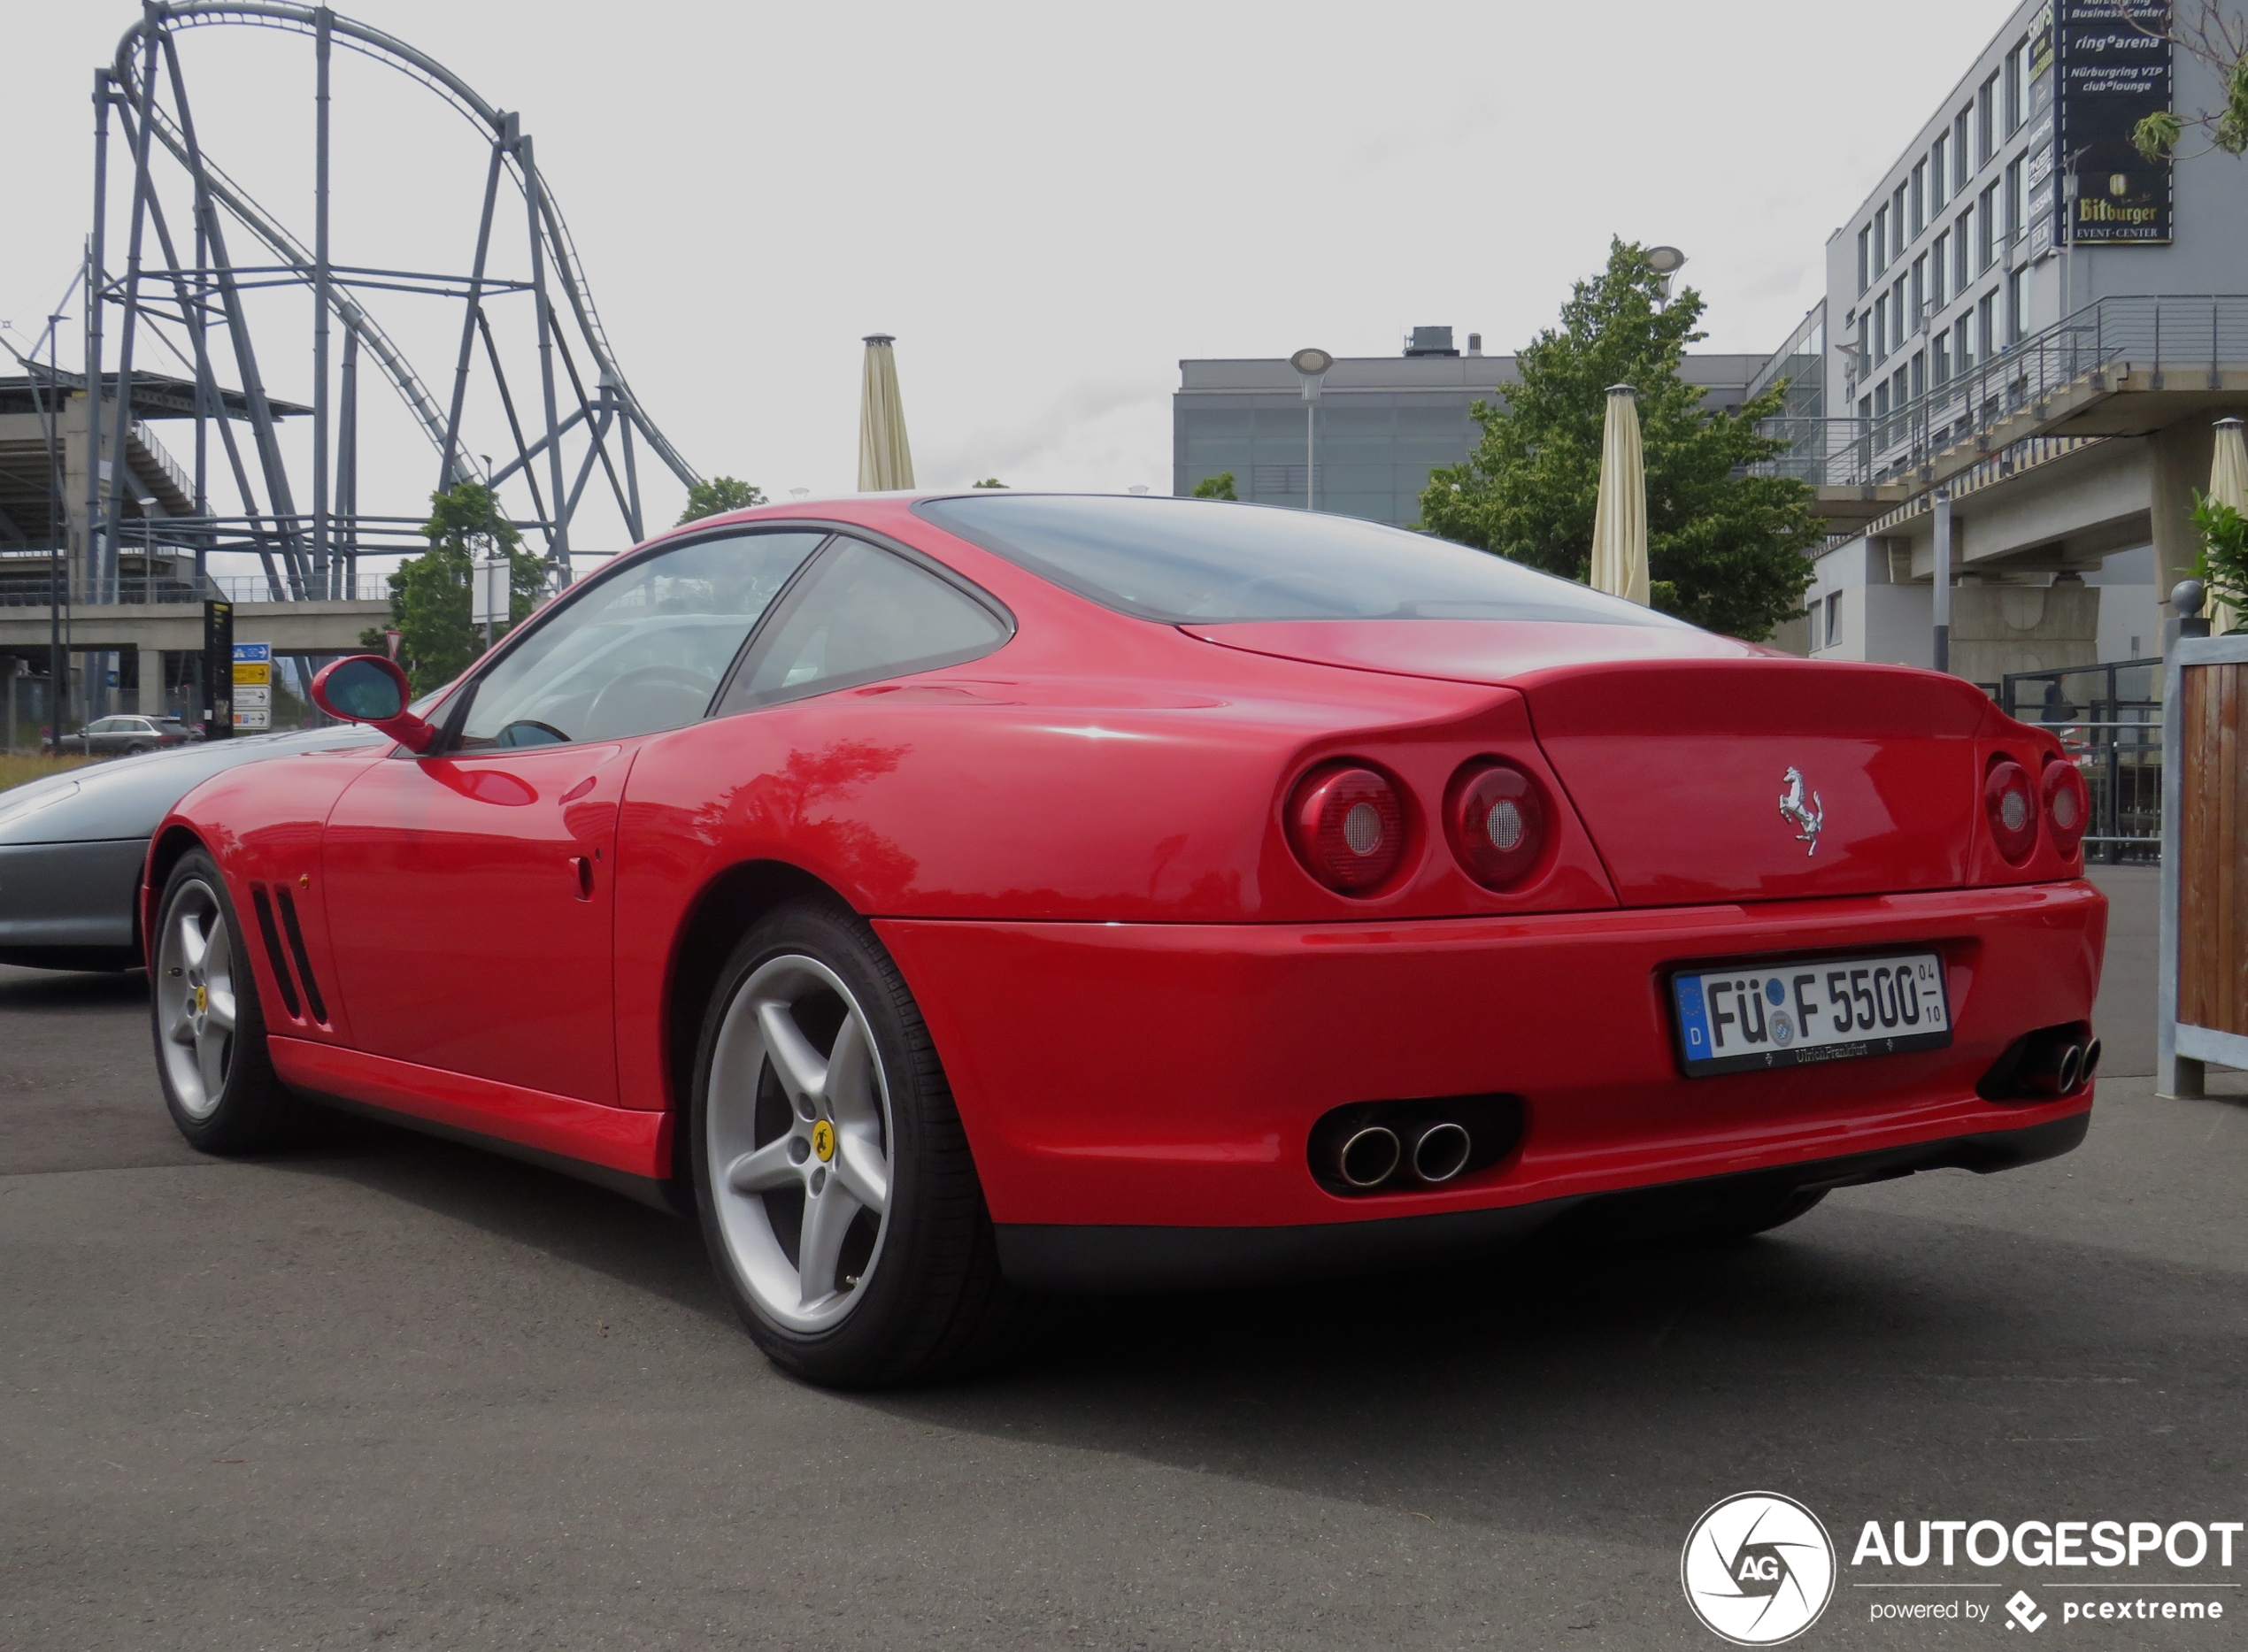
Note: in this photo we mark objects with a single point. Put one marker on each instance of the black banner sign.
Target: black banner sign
(218, 670)
(2115, 70)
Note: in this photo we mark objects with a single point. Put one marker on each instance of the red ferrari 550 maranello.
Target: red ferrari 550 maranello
(955, 898)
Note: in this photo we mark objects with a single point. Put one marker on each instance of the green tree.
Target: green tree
(2222, 566)
(718, 495)
(430, 595)
(2218, 40)
(1725, 550)
(1218, 487)
(989, 481)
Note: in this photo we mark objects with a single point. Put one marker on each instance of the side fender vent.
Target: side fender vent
(303, 960)
(273, 951)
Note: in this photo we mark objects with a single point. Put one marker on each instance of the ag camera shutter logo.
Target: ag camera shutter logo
(1758, 1569)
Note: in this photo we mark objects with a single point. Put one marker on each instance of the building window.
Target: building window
(1897, 222)
(1962, 234)
(1986, 210)
(1919, 196)
(2016, 322)
(1938, 167)
(1834, 618)
(2014, 68)
(1986, 113)
(1865, 259)
(1899, 391)
(1881, 239)
(1986, 315)
(1866, 409)
(1960, 152)
(1920, 289)
(2013, 199)
(1880, 328)
(1920, 374)
(1881, 400)
(1937, 256)
(1965, 333)
(1899, 327)
(1943, 363)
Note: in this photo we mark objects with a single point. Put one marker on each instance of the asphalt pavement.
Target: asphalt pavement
(395, 1391)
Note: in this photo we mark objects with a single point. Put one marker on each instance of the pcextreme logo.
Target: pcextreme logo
(1758, 1569)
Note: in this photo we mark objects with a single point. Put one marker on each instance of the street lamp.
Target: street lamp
(1666, 262)
(1311, 366)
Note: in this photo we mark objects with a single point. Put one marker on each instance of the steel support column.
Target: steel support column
(96, 280)
(452, 466)
(559, 544)
(322, 574)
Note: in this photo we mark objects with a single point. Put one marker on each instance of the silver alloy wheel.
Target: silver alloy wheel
(831, 1159)
(195, 998)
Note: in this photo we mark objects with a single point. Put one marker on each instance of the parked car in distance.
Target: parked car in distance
(949, 899)
(127, 736)
(71, 845)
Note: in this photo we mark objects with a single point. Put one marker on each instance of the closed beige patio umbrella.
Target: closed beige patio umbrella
(1619, 517)
(2228, 485)
(885, 461)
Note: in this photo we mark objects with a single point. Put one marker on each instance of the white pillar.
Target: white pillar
(151, 700)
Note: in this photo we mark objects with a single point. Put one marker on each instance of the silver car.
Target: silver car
(127, 736)
(71, 845)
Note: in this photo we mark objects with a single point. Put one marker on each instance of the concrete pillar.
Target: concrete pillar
(77, 454)
(151, 703)
(2180, 455)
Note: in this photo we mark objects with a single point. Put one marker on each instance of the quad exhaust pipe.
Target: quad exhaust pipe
(1439, 1151)
(1431, 1153)
(2050, 1062)
(1369, 1156)
(1397, 1146)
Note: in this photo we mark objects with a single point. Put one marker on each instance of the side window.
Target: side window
(642, 650)
(862, 615)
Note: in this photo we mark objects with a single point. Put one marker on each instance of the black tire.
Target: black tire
(140, 751)
(930, 1301)
(248, 1110)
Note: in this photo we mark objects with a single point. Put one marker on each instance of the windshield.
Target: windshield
(1185, 561)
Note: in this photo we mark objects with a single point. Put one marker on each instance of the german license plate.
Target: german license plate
(1812, 1010)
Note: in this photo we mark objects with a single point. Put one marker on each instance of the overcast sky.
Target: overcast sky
(1049, 205)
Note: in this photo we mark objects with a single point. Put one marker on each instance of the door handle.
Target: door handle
(581, 867)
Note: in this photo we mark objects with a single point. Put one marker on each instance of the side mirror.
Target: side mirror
(368, 688)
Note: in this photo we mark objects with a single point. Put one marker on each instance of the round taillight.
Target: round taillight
(2068, 806)
(2012, 808)
(1348, 827)
(1496, 816)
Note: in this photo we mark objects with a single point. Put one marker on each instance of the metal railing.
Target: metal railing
(32, 591)
(2194, 335)
(2109, 720)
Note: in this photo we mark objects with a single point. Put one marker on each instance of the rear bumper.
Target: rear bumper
(1080, 1259)
(1167, 1075)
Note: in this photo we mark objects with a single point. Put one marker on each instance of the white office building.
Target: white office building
(2028, 316)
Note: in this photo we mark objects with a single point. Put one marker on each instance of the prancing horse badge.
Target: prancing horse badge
(1806, 818)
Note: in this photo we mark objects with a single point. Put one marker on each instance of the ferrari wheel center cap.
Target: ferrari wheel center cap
(201, 1000)
(823, 1141)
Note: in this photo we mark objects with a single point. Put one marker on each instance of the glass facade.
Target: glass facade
(1375, 448)
(1384, 423)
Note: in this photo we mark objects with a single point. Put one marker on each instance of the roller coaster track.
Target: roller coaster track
(146, 50)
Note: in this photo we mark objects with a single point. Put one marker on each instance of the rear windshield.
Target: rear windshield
(1206, 561)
